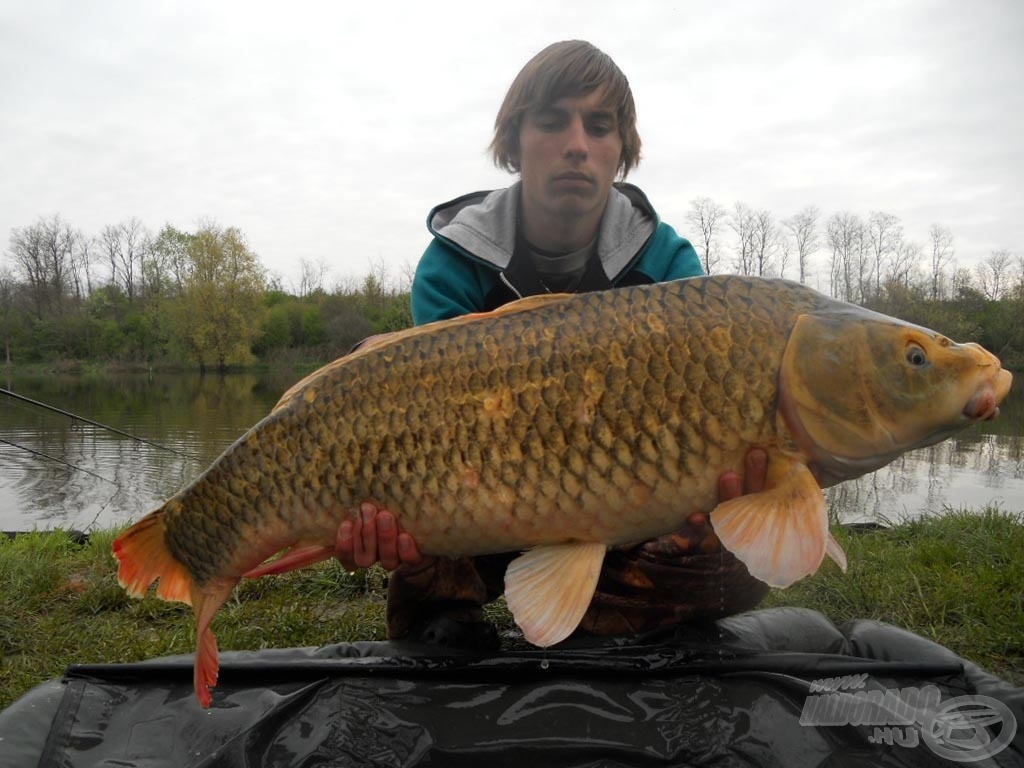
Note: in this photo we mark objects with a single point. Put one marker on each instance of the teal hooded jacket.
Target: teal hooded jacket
(473, 263)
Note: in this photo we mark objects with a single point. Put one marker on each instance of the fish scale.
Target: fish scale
(567, 424)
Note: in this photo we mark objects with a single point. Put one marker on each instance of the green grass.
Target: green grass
(958, 580)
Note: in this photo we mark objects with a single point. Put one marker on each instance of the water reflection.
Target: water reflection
(103, 478)
(970, 472)
(198, 417)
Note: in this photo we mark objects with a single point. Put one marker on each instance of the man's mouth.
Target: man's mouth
(573, 177)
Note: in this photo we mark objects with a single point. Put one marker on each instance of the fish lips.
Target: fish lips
(984, 403)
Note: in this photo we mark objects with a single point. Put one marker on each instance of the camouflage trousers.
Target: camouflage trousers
(676, 578)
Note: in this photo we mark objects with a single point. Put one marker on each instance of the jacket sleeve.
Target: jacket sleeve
(669, 256)
(446, 285)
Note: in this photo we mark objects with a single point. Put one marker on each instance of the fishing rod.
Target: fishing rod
(75, 416)
(59, 460)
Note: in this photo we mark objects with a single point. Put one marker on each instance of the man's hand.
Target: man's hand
(374, 535)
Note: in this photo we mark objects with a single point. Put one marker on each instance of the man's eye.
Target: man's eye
(550, 123)
(600, 129)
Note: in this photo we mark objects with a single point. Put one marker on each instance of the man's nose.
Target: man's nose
(576, 138)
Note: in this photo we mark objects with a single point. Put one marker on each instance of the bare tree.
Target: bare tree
(884, 232)
(1019, 287)
(311, 276)
(804, 228)
(707, 216)
(377, 283)
(124, 247)
(742, 224)
(109, 244)
(406, 276)
(942, 256)
(136, 239)
(783, 250)
(906, 258)
(82, 258)
(42, 255)
(963, 283)
(845, 235)
(994, 274)
(6, 307)
(763, 241)
(26, 252)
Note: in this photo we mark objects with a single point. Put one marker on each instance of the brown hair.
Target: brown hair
(567, 69)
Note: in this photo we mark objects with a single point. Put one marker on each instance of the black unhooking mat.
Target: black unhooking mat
(776, 687)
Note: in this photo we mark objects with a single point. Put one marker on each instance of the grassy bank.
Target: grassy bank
(958, 580)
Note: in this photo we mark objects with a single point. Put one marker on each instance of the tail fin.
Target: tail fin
(143, 558)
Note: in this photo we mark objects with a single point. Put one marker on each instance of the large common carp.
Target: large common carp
(565, 424)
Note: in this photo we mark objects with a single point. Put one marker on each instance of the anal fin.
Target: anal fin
(295, 558)
(549, 588)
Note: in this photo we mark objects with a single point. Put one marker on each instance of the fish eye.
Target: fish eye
(916, 356)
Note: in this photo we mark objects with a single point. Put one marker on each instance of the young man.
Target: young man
(568, 128)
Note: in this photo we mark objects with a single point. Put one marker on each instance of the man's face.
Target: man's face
(569, 155)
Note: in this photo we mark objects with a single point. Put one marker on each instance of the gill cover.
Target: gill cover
(857, 388)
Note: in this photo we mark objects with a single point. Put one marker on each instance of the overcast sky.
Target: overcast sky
(326, 131)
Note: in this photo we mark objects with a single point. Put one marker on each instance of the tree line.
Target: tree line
(872, 262)
(203, 298)
(198, 298)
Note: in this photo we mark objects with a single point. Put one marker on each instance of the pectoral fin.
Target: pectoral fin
(780, 534)
(835, 550)
(549, 588)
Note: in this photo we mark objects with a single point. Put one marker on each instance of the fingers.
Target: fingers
(374, 535)
(730, 486)
(366, 541)
(754, 479)
(344, 545)
(387, 540)
(755, 475)
(356, 543)
(408, 552)
(698, 522)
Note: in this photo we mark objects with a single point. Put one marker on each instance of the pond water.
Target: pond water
(57, 471)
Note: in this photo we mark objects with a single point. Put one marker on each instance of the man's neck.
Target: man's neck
(558, 234)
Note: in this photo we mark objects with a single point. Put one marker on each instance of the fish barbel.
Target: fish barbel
(565, 424)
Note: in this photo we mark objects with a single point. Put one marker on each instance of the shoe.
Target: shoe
(446, 632)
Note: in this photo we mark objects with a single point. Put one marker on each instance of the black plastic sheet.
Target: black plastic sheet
(734, 693)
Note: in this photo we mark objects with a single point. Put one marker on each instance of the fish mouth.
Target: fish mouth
(984, 403)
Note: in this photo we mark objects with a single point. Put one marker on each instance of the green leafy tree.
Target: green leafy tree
(219, 312)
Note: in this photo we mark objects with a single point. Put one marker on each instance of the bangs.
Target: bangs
(577, 75)
(567, 69)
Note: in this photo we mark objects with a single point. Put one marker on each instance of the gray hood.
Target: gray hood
(483, 224)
